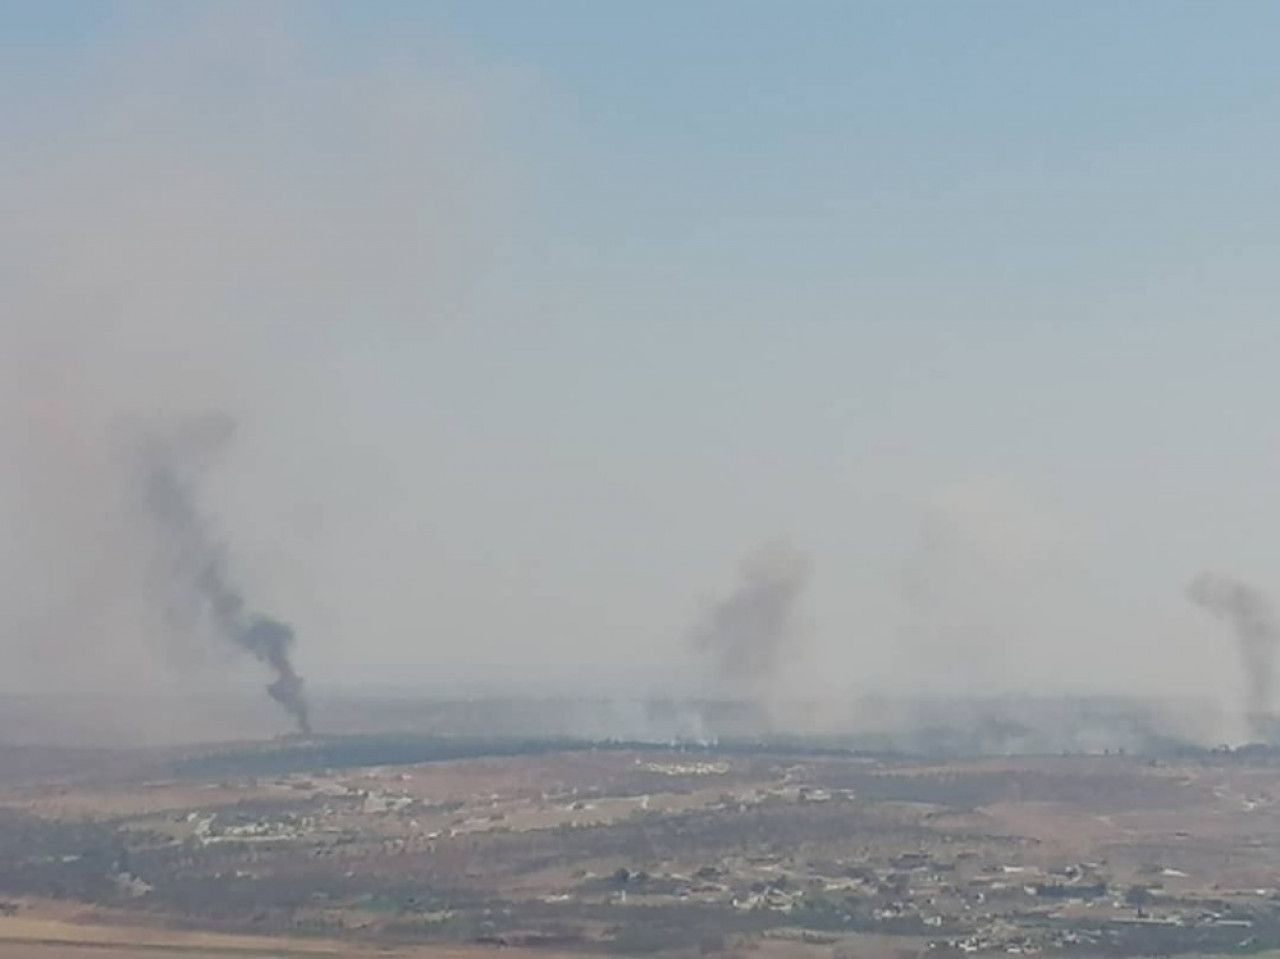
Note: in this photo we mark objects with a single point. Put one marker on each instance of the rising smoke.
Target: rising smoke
(745, 636)
(197, 563)
(1252, 618)
(274, 247)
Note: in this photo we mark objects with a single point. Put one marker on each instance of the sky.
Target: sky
(539, 320)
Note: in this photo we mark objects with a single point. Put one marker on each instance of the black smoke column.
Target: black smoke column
(198, 562)
(1253, 621)
(746, 634)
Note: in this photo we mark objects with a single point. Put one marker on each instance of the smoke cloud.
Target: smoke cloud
(1252, 618)
(212, 214)
(746, 635)
(197, 562)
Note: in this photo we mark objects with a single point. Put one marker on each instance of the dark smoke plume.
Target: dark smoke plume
(1253, 620)
(746, 633)
(198, 561)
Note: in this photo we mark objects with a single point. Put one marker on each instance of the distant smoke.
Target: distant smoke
(746, 634)
(1257, 633)
(198, 561)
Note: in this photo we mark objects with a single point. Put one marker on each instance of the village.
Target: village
(628, 847)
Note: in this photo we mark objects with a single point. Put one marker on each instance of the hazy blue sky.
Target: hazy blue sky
(538, 316)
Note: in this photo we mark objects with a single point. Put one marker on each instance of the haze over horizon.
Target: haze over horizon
(538, 324)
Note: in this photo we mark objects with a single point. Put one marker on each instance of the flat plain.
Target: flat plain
(451, 849)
